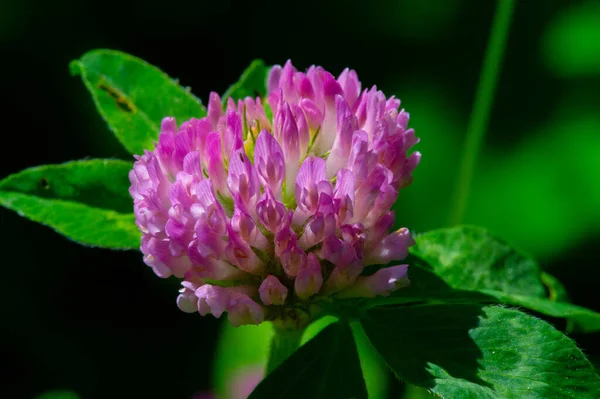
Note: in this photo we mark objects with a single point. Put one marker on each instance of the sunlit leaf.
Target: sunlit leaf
(470, 258)
(252, 83)
(469, 350)
(133, 96)
(87, 201)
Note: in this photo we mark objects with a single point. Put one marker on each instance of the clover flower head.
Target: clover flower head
(271, 205)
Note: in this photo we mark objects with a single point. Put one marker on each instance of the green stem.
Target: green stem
(484, 97)
(284, 343)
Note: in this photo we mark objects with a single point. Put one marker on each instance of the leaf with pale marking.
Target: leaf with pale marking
(133, 96)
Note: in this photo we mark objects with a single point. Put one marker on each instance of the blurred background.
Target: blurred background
(96, 324)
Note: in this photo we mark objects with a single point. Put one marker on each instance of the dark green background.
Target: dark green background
(101, 324)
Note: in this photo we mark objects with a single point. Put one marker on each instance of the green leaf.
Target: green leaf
(133, 96)
(242, 353)
(87, 201)
(373, 369)
(426, 286)
(283, 344)
(584, 320)
(596, 362)
(252, 83)
(477, 351)
(325, 367)
(469, 258)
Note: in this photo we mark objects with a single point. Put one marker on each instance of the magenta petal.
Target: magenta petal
(207, 209)
(214, 162)
(286, 82)
(344, 195)
(245, 226)
(285, 236)
(286, 133)
(309, 279)
(274, 78)
(303, 86)
(187, 300)
(232, 139)
(242, 310)
(293, 259)
(346, 126)
(241, 255)
(242, 179)
(381, 283)
(303, 129)
(192, 164)
(237, 199)
(168, 125)
(269, 162)
(351, 86)
(369, 191)
(212, 299)
(314, 116)
(215, 109)
(311, 180)
(379, 229)
(392, 247)
(375, 110)
(343, 276)
(272, 292)
(271, 212)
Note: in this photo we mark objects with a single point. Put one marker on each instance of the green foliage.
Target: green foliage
(469, 258)
(584, 320)
(252, 83)
(471, 350)
(373, 367)
(245, 349)
(538, 195)
(284, 342)
(133, 96)
(571, 43)
(525, 185)
(426, 286)
(325, 367)
(445, 333)
(87, 201)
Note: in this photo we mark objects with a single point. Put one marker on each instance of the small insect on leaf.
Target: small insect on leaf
(122, 103)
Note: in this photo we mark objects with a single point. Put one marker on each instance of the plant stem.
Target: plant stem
(284, 343)
(480, 113)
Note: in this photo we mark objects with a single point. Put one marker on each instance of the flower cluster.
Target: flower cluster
(270, 205)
